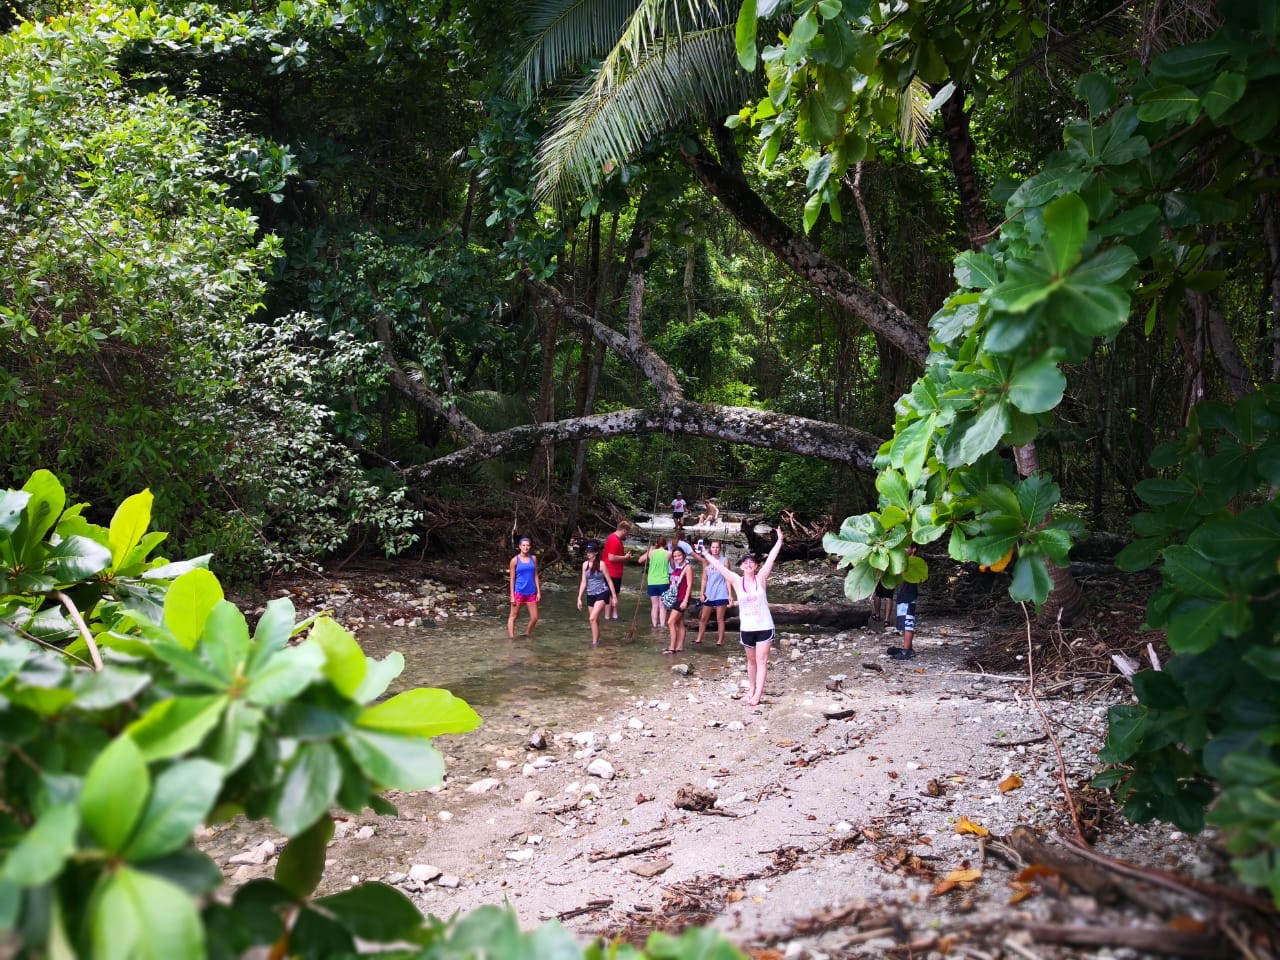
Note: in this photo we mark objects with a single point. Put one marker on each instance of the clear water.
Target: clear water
(557, 670)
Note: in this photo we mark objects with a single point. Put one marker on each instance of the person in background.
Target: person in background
(882, 604)
(526, 589)
(678, 540)
(598, 588)
(678, 507)
(615, 556)
(714, 592)
(710, 513)
(755, 622)
(657, 577)
(905, 621)
(682, 580)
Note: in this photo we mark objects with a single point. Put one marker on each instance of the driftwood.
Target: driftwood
(1150, 939)
(841, 615)
(800, 543)
(597, 855)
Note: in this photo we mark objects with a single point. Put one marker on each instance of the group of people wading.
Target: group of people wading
(669, 583)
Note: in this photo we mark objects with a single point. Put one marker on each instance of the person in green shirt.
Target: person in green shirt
(656, 580)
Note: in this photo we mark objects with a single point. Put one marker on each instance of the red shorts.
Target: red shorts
(519, 598)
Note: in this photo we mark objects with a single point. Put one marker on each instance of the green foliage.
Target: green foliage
(125, 356)
(1213, 716)
(108, 773)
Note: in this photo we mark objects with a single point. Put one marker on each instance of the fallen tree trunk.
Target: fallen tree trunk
(840, 614)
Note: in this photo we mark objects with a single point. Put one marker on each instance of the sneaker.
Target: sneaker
(901, 653)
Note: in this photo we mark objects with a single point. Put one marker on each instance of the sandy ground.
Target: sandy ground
(828, 838)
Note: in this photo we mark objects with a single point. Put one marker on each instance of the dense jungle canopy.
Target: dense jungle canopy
(303, 269)
(983, 274)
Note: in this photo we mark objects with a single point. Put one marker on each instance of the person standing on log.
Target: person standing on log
(615, 556)
(678, 507)
(598, 587)
(526, 590)
(714, 593)
(755, 622)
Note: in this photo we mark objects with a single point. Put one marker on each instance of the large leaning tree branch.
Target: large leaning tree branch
(418, 391)
(634, 350)
(801, 255)
(745, 425)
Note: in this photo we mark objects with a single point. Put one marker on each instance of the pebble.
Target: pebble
(423, 872)
(483, 786)
(602, 768)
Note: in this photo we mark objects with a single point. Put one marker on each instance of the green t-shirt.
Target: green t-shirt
(658, 567)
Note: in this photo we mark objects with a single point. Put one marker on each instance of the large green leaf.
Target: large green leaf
(301, 865)
(115, 792)
(344, 662)
(308, 788)
(421, 712)
(273, 631)
(12, 505)
(745, 35)
(400, 763)
(1252, 534)
(1031, 580)
(135, 916)
(128, 525)
(76, 558)
(181, 799)
(226, 639)
(109, 687)
(42, 851)
(374, 911)
(1194, 574)
(1037, 386)
(1095, 311)
(910, 449)
(47, 502)
(1067, 221)
(187, 605)
(985, 432)
(1025, 285)
(379, 677)
(286, 675)
(1197, 628)
(1170, 100)
(176, 726)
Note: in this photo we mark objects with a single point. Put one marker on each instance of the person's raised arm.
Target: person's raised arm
(729, 576)
(773, 555)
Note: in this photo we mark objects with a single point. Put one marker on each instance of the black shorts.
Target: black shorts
(750, 638)
(677, 514)
(883, 591)
(906, 617)
(594, 598)
(716, 603)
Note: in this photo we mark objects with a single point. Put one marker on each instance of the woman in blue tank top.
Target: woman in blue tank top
(526, 591)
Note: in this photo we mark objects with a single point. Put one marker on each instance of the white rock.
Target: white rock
(615, 737)
(528, 770)
(530, 798)
(663, 705)
(257, 855)
(444, 815)
(735, 725)
(844, 826)
(423, 872)
(543, 762)
(533, 839)
(450, 881)
(505, 764)
(365, 833)
(635, 723)
(600, 767)
(520, 856)
(483, 786)
(583, 754)
(394, 878)
(585, 738)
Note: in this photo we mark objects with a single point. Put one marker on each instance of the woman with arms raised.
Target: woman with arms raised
(755, 622)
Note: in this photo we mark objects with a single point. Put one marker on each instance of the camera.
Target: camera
(698, 547)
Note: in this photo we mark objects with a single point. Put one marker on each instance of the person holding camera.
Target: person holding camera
(714, 593)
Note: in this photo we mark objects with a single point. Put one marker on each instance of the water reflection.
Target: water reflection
(557, 669)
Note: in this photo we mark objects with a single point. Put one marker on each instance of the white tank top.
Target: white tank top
(753, 608)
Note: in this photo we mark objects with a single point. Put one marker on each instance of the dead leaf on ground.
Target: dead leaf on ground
(733, 896)
(963, 879)
(1036, 871)
(1011, 782)
(966, 826)
(1185, 924)
(934, 789)
(1022, 891)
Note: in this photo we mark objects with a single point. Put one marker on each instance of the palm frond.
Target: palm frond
(654, 22)
(567, 33)
(686, 77)
(914, 115)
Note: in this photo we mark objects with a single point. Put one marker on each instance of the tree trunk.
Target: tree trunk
(803, 257)
(1271, 230)
(960, 145)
